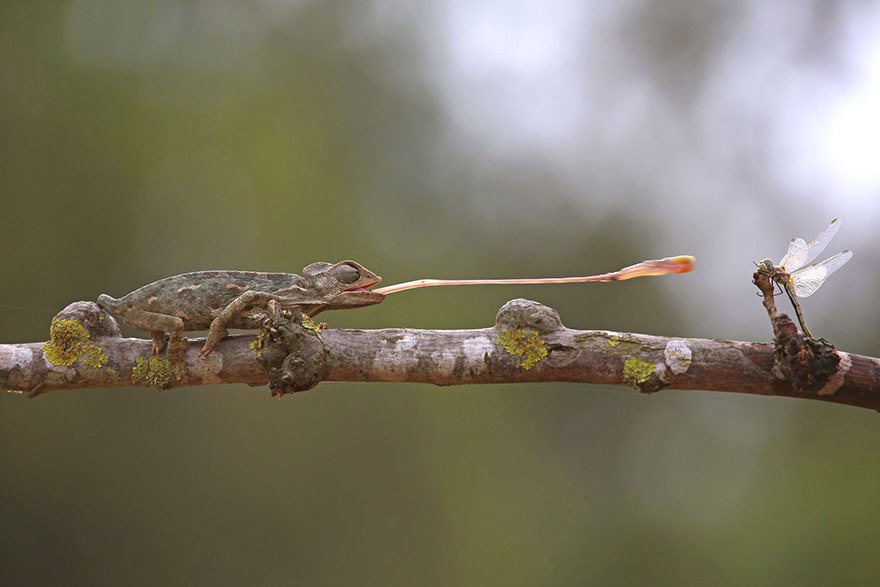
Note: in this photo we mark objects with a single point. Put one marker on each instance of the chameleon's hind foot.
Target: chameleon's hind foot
(158, 342)
(176, 354)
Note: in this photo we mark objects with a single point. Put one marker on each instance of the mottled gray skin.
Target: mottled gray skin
(215, 300)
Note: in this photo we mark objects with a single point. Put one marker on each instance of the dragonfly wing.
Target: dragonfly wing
(805, 255)
(796, 247)
(809, 279)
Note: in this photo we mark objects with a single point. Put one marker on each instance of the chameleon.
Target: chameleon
(215, 300)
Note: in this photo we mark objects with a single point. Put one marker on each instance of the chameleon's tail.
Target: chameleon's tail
(107, 303)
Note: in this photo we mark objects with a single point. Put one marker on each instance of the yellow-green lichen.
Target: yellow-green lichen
(307, 322)
(613, 340)
(69, 341)
(94, 357)
(636, 371)
(156, 372)
(257, 343)
(530, 348)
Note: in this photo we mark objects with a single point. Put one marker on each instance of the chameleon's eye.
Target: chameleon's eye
(346, 273)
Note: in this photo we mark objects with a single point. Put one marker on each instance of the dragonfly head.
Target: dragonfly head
(765, 265)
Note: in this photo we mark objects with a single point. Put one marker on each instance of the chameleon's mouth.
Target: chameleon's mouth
(367, 286)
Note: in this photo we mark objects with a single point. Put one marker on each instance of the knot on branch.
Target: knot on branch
(806, 363)
(521, 313)
(292, 353)
(97, 322)
(521, 325)
(73, 333)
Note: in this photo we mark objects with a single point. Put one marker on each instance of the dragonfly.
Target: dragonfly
(796, 277)
(665, 266)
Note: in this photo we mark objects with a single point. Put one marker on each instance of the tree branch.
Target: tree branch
(529, 343)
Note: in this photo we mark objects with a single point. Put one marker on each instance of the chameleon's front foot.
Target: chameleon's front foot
(215, 335)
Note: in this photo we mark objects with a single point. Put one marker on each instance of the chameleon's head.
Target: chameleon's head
(342, 285)
(342, 276)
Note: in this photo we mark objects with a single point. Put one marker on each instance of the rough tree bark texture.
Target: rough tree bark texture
(528, 343)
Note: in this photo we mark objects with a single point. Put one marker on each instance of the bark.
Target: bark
(527, 344)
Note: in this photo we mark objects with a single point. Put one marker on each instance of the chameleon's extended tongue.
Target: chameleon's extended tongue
(679, 264)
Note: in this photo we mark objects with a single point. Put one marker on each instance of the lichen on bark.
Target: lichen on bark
(68, 342)
(529, 348)
(637, 372)
(154, 372)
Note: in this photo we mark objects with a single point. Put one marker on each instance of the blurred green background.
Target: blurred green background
(440, 139)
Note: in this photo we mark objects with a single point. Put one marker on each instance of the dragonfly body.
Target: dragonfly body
(796, 277)
(783, 278)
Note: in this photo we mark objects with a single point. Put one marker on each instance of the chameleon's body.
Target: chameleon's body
(215, 300)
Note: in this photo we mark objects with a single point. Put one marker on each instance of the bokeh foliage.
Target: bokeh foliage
(139, 140)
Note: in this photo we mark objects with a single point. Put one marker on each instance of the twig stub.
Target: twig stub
(806, 363)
